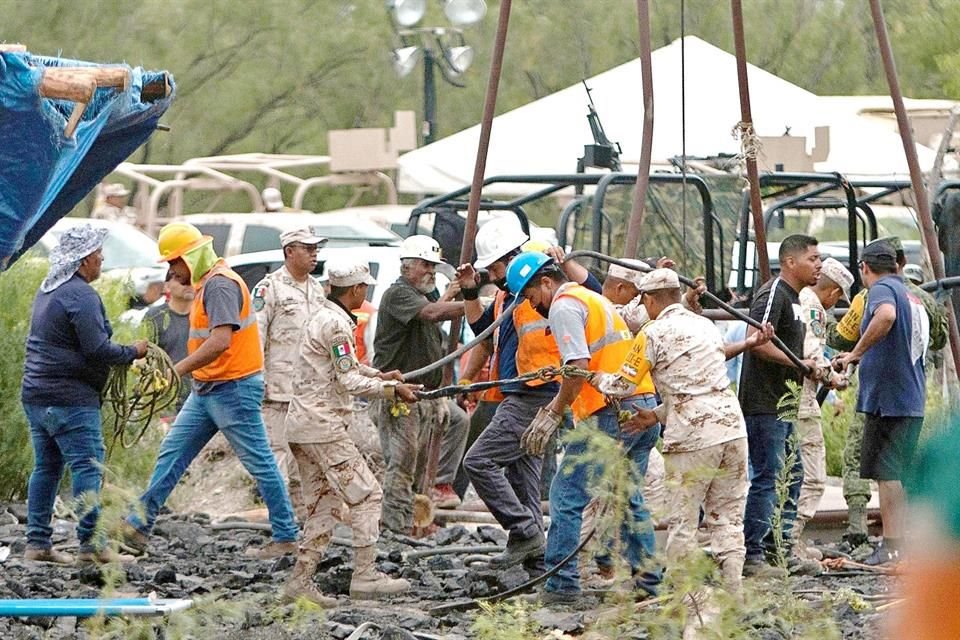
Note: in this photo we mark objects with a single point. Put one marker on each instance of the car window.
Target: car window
(219, 232)
(254, 273)
(259, 237)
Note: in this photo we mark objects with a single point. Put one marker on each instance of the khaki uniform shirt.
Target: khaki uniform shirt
(685, 355)
(815, 340)
(116, 214)
(326, 376)
(283, 306)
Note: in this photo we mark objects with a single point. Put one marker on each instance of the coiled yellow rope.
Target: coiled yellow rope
(154, 387)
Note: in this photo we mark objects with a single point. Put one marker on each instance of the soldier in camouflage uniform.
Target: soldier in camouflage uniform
(327, 375)
(843, 336)
(815, 301)
(705, 436)
(284, 301)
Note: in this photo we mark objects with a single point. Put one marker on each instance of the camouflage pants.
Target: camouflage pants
(334, 474)
(654, 491)
(813, 454)
(274, 416)
(716, 478)
(856, 490)
(405, 442)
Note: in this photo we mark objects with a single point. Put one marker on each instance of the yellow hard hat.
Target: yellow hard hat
(539, 246)
(176, 238)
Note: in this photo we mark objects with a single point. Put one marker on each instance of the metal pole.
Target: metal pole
(646, 144)
(916, 178)
(429, 97)
(747, 136)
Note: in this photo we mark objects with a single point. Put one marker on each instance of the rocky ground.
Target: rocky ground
(190, 557)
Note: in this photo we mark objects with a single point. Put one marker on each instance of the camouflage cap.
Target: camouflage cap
(347, 273)
(634, 276)
(839, 274)
(660, 279)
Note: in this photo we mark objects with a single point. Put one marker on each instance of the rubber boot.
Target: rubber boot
(856, 533)
(367, 582)
(300, 584)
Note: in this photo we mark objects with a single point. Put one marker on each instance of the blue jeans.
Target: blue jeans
(768, 439)
(63, 435)
(569, 494)
(233, 408)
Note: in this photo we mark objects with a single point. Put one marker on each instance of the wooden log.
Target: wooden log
(12, 47)
(118, 77)
(56, 83)
(156, 90)
(74, 120)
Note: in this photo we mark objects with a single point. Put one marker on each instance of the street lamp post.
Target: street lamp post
(443, 48)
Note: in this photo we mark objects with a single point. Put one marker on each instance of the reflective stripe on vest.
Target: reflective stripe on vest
(609, 340)
(536, 348)
(493, 394)
(243, 357)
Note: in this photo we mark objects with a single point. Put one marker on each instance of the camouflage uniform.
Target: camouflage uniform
(283, 308)
(326, 376)
(843, 336)
(813, 453)
(705, 437)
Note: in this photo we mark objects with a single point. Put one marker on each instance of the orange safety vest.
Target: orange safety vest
(536, 348)
(243, 357)
(609, 340)
(363, 319)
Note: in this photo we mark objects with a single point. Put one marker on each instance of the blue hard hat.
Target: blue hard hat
(523, 268)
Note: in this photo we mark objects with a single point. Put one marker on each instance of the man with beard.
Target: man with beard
(763, 382)
(408, 337)
(169, 326)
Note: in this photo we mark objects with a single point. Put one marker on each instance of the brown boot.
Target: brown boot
(300, 584)
(367, 582)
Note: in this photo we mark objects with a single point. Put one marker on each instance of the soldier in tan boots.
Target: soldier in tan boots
(332, 469)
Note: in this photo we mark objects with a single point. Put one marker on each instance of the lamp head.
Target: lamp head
(406, 13)
(460, 58)
(463, 13)
(405, 59)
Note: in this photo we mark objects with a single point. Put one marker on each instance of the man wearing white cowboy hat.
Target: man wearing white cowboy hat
(114, 205)
(69, 354)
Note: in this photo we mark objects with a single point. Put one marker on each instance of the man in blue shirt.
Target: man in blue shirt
(68, 358)
(894, 335)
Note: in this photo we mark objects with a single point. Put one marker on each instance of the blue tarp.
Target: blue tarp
(43, 175)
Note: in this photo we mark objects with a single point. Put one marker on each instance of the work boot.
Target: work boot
(272, 550)
(759, 568)
(367, 582)
(88, 554)
(47, 554)
(517, 551)
(132, 539)
(856, 521)
(800, 548)
(444, 497)
(798, 566)
(301, 585)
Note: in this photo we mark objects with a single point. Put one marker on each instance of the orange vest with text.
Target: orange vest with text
(363, 319)
(536, 348)
(243, 357)
(609, 340)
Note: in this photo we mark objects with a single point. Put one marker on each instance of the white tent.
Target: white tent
(547, 136)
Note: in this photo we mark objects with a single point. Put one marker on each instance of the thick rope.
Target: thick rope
(156, 386)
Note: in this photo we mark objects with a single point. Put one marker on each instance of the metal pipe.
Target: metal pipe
(739, 315)
(916, 178)
(746, 133)
(646, 143)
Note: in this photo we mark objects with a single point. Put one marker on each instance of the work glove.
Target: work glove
(534, 440)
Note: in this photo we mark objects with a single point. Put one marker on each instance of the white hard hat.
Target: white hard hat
(422, 247)
(496, 239)
(272, 199)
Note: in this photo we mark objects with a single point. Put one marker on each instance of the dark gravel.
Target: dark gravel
(238, 595)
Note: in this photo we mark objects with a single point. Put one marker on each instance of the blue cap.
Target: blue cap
(523, 268)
